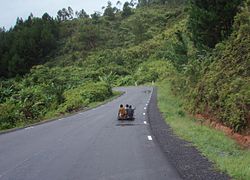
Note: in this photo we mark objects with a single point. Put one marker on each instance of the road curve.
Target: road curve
(90, 145)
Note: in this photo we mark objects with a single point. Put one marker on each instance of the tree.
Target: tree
(70, 13)
(139, 29)
(180, 49)
(2, 29)
(90, 36)
(95, 17)
(211, 21)
(47, 41)
(46, 17)
(19, 21)
(82, 14)
(109, 12)
(118, 3)
(127, 10)
(27, 44)
(65, 14)
(31, 16)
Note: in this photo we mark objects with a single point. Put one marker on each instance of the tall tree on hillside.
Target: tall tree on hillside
(139, 29)
(27, 44)
(127, 10)
(65, 14)
(96, 17)
(19, 21)
(211, 21)
(90, 35)
(47, 17)
(2, 29)
(109, 12)
(82, 14)
(70, 12)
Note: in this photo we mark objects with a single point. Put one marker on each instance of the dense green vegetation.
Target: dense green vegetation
(211, 21)
(198, 49)
(216, 81)
(27, 44)
(213, 144)
(201, 46)
(90, 54)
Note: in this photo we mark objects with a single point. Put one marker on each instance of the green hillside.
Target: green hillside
(49, 66)
(200, 49)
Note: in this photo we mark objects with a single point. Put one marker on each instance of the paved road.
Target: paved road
(89, 145)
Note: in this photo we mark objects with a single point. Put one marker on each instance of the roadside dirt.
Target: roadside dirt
(242, 139)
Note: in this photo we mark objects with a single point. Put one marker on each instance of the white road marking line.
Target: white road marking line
(29, 128)
(145, 122)
(146, 104)
(144, 114)
(150, 138)
(145, 108)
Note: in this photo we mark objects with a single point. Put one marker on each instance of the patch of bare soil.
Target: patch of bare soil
(242, 139)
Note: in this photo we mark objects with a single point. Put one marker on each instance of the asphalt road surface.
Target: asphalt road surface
(89, 145)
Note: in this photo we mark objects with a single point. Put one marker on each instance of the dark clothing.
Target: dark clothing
(130, 112)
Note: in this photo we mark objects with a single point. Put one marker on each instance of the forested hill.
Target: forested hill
(51, 65)
(39, 40)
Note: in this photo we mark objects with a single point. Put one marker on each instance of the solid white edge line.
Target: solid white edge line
(31, 127)
(150, 138)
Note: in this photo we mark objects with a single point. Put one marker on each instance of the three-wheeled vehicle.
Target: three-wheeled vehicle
(129, 115)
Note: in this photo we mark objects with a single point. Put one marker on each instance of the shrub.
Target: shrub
(153, 70)
(9, 115)
(125, 81)
(33, 102)
(85, 94)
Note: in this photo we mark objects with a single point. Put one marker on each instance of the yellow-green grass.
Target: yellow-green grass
(215, 145)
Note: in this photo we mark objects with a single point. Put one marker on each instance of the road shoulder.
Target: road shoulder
(183, 155)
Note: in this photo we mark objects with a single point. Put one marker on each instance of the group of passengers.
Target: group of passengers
(126, 112)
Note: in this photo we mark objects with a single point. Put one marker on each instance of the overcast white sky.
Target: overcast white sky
(11, 9)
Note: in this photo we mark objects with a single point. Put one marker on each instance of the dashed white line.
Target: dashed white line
(150, 138)
(145, 108)
(144, 114)
(145, 122)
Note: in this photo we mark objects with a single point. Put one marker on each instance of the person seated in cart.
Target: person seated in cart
(122, 112)
(130, 112)
(126, 108)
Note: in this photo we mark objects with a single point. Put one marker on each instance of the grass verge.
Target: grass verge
(53, 116)
(216, 146)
